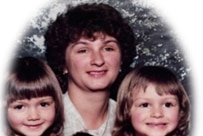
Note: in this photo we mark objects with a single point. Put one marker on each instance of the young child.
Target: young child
(152, 102)
(34, 105)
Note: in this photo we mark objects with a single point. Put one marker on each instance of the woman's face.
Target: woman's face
(93, 64)
(152, 114)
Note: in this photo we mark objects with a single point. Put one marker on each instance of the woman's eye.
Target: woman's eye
(82, 51)
(144, 105)
(109, 49)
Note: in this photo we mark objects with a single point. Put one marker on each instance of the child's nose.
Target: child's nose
(157, 112)
(33, 114)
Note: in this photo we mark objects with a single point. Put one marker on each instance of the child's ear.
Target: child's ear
(181, 113)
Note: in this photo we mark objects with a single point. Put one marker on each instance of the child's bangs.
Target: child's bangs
(28, 91)
(167, 88)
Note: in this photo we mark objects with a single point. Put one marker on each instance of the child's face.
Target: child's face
(152, 114)
(31, 117)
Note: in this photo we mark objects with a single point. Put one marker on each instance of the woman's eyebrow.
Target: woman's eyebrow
(72, 45)
(111, 40)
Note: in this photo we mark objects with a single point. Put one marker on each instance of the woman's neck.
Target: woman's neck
(92, 106)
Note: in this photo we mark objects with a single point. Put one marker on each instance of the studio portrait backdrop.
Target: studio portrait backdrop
(157, 42)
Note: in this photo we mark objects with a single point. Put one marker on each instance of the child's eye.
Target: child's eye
(168, 104)
(44, 104)
(18, 107)
(144, 105)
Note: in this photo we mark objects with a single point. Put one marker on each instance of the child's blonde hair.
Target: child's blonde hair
(165, 82)
(31, 78)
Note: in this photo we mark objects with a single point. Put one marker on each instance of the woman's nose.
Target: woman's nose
(97, 58)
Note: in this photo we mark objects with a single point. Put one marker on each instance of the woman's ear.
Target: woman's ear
(65, 71)
(121, 66)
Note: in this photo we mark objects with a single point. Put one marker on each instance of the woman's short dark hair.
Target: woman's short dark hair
(84, 21)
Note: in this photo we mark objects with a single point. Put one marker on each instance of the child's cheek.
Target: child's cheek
(15, 120)
(137, 117)
(173, 117)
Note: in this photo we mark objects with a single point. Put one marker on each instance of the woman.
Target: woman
(87, 47)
